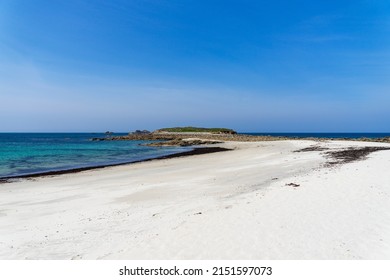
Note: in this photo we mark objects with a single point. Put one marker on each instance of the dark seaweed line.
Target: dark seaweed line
(352, 154)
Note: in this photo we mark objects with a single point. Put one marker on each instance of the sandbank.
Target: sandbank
(260, 200)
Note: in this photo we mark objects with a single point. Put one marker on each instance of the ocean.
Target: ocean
(32, 153)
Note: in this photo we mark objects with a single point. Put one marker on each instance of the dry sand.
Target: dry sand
(259, 201)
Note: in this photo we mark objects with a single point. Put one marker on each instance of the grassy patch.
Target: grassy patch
(197, 129)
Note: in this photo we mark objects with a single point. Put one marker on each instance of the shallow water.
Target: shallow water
(29, 153)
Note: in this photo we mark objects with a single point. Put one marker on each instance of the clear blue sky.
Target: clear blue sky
(266, 66)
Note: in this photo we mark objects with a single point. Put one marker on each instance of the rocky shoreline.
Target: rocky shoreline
(182, 143)
(192, 139)
(188, 139)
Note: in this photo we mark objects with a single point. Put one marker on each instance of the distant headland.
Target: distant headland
(177, 136)
(190, 136)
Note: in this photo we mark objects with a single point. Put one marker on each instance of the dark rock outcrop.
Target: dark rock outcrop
(140, 132)
(183, 143)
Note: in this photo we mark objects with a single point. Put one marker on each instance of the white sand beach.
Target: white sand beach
(229, 205)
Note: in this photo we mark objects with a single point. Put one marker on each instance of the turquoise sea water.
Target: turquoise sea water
(28, 153)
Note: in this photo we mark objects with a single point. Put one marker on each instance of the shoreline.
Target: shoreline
(261, 200)
(181, 137)
(193, 151)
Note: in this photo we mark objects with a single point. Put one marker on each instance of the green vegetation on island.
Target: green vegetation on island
(191, 129)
